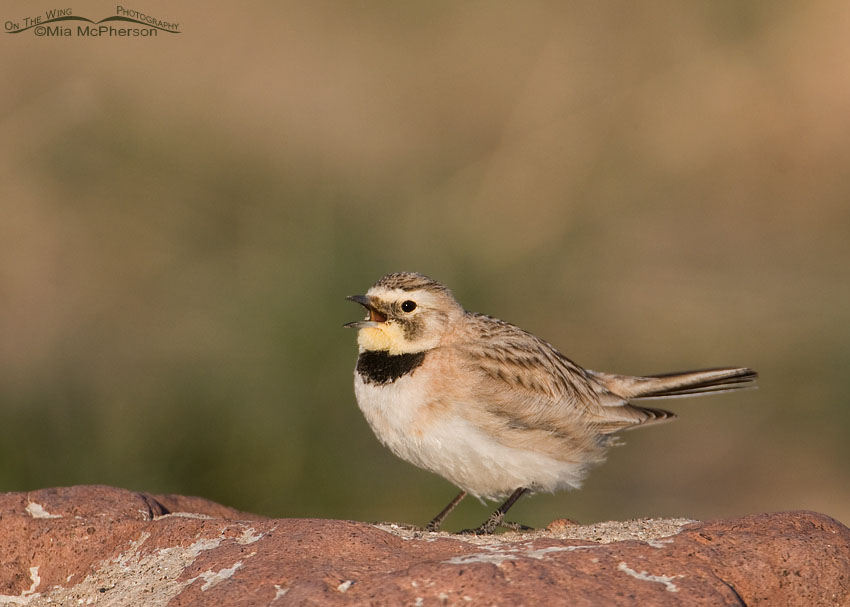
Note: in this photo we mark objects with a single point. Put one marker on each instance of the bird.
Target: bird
(493, 409)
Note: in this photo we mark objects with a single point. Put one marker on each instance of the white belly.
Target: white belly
(450, 445)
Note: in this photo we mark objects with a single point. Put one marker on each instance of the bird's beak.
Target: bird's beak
(375, 317)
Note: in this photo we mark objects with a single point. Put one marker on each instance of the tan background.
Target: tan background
(652, 189)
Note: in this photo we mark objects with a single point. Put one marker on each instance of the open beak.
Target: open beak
(374, 319)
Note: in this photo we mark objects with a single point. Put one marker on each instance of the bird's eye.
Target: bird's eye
(408, 306)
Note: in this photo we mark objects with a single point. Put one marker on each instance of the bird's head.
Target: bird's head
(406, 313)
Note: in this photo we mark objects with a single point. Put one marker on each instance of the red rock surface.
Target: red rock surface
(106, 546)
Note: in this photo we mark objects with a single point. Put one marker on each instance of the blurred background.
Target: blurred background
(651, 188)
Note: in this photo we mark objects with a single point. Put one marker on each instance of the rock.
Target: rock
(106, 546)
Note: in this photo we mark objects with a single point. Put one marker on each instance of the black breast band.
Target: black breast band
(381, 367)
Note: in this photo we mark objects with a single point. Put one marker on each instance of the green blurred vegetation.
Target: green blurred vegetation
(650, 188)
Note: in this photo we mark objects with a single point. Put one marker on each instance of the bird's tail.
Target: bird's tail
(687, 383)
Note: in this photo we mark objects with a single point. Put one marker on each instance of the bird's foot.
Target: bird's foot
(404, 526)
(488, 526)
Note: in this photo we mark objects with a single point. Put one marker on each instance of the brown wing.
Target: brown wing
(529, 384)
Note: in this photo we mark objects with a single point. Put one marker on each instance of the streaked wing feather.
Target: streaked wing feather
(533, 385)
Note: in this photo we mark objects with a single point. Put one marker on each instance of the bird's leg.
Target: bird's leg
(435, 523)
(498, 517)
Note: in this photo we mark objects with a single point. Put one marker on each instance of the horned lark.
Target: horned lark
(492, 408)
